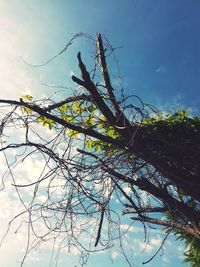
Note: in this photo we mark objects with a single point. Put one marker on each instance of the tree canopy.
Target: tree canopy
(101, 143)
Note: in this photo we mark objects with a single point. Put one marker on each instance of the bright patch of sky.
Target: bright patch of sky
(159, 61)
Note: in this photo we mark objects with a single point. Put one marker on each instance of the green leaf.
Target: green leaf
(62, 108)
(89, 121)
(91, 108)
(27, 97)
(27, 110)
(77, 107)
(73, 133)
(97, 147)
(102, 118)
(89, 144)
(111, 132)
(40, 119)
(66, 118)
(46, 122)
(159, 118)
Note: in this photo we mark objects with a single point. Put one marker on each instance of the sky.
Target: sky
(158, 52)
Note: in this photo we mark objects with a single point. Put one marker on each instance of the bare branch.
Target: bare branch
(169, 224)
(90, 86)
(67, 100)
(145, 210)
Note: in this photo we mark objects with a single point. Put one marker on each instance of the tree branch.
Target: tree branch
(42, 112)
(121, 118)
(67, 100)
(145, 210)
(105, 74)
(90, 86)
(168, 224)
(146, 185)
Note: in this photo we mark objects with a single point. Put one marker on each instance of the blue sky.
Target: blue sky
(159, 58)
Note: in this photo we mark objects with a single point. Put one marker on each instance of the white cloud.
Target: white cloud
(14, 79)
(155, 242)
(114, 254)
(166, 259)
(71, 73)
(180, 250)
(127, 190)
(131, 228)
(161, 68)
(148, 247)
(10, 208)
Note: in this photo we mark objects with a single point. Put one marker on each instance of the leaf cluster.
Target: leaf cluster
(192, 246)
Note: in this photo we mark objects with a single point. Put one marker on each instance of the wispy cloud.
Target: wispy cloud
(151, 245)
(13, 76)
(161, 69)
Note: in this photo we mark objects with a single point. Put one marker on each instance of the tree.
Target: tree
(102, 144)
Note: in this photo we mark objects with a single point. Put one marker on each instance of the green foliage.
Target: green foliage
(192, 246)
(64, 108)
(192, 249)
(67, 118)
(178, 127)
(173, 128)
(89, 121)
(28, 98)
(172, 120)
(73, 133)
(46, 122)
(26, 110)
(178, 116)
(87, 116)
(104, 128)
(97, 146)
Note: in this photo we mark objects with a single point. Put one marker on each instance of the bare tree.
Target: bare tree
(99, 145)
